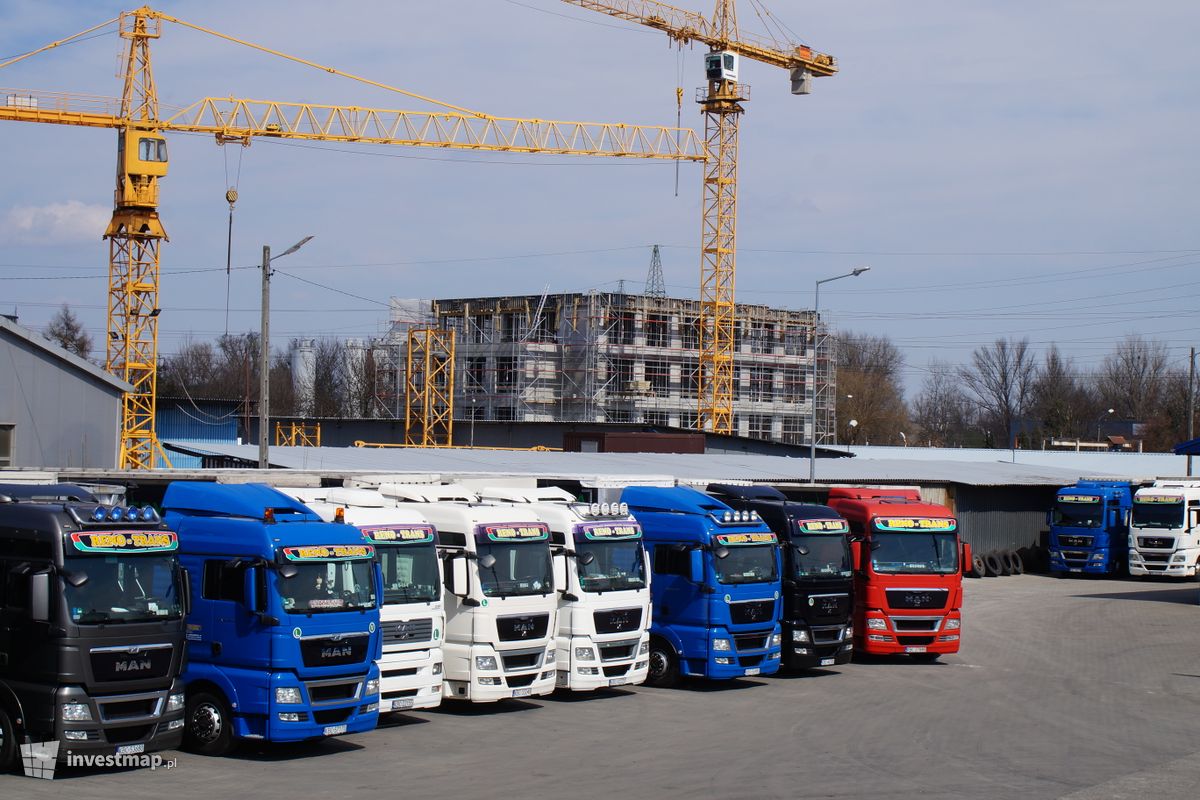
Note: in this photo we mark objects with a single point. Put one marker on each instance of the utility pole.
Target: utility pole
(264, 361)
(1191, 403)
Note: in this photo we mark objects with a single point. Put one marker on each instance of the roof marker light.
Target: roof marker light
(99, 514)
(339, 515)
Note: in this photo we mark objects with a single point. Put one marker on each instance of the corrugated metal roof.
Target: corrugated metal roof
(690, 468)
(62, 354)
(1127, 465)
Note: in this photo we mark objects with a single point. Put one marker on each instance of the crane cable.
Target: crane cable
(231, 196)
(678, 108)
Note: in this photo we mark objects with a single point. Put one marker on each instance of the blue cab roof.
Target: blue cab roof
(1094, 486)
(681, 513)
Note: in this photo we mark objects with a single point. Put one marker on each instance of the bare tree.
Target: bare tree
(1062, 404)
(942, 411)
(189, 372)
(67, 331)
(869, 390)
(1132, 377)
(329, 379)
(1001, 377)
(360, 381)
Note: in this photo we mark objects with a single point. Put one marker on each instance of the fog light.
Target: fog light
(489, 681)
(641, 665)
(772, 655)
(288, 695)
(549, 674)
(174, 724)
(875, 637)
(76, 712)
(802, 650)
(950, 638)
(174, 702)
(289, 716)
(370, 708)
(81, 736)
(799, 635)
(724, 660)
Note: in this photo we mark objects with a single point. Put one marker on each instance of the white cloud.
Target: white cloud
(55, 223)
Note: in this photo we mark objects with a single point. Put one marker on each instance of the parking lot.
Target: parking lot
(1063, 688)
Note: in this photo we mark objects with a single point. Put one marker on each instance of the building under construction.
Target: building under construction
(613, 357)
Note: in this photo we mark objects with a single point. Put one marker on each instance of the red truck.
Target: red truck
(908, 565)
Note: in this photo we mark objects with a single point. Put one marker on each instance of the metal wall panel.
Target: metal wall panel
(1002, 517)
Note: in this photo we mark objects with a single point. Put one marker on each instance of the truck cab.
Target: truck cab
(284, 631)
(92, 602)
(1089, 528)
(817, 575)
(715, 586)
(908, 562)
(412, 619)
(1165, 529)
(499, 593)
(604, 606)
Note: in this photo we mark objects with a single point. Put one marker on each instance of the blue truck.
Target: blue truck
(714, 589)
(283, 632)
(1089, 528)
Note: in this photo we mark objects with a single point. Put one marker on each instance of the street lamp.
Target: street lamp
(264, 350)
(1101, 421)
(812, 411)
(853, 424)
(472, 422)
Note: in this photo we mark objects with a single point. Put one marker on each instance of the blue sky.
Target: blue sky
(1005, 169)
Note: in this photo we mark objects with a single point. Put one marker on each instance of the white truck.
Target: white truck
(500, 598)
(1164, 531)
(412, 619)
(604, 604)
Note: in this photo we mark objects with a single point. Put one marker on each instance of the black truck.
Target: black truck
(817, 575)
(92, 604)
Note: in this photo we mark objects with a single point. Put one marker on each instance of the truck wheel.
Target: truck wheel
(1016, 565)
(995, 567)
(8, 743)
(664, 665)
(978, 567)
(208, 728)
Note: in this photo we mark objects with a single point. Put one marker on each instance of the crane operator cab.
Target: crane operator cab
(142, 153)
(721, 66)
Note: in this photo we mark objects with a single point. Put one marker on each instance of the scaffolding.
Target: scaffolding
(429, 388)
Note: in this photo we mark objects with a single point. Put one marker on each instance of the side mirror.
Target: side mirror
(856, 553)
(460, 580)
(696, 566)
(185, 589)
(288, 571)
(966, 557)
(39, 597)
(721, 552)
(559, 561)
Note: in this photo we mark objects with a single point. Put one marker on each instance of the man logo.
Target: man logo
(403, 631)
(344, 651)
(829, 605)
(917, 600)
(524, 627)
(132, 665)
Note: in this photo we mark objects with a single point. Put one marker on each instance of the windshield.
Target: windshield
(1158, 514)
(123, 589)
(828, 556)
(321, 586)
(1078, 515)
(520, 569)
(914, 553)
(747, 564)
(617, 566)
(410, 574)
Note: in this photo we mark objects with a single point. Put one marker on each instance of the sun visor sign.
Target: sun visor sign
(327, 552)
(734, 539)
(397, 534)
(1078, 498)
(1157, 499)
(916, 524)
(823, 526)
(517, 532)
(125, 542)
(604, 531)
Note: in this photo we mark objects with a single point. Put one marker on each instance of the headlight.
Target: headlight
(799, 635)
(551, 655)
(875, 624)
(1179, 557)
(372, 687)
(776, 639)
(174, 702)
(644, 648)
(1098, 557)
(849, 631)
(1055, 554)
(288, 695)
(721, 645)
(76, 712)
(437, 668)
(952, 625)
(485, 662)
(585, 654)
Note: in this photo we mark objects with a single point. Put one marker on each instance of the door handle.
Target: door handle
(216, 648)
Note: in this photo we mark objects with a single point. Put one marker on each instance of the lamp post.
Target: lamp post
(853, 424)
(1101, 422)
(812, 411)
(472, 422)
(264, 350)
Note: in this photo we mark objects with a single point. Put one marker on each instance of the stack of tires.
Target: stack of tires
(996, 564)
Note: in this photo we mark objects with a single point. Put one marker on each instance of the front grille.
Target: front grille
(331, 716)
(827, 608)
(915, 639)
(917, 598)
(413, 630)
(528, 626)
(130, 734)
(752, 611)
(1075, 541)
(1159, 557)
(331, 651)
(519, 681)
(618, 620)
(827, 635)
(753, 641)
(1157, 542)
(332, 692)
(522, 660)
(616, 672)
(750, 661)
(1074, 555)
(399, 694)
(131, 664)
(903, 624)
(128, 709)
(616, 652)
(399, 673)
(1156, 566)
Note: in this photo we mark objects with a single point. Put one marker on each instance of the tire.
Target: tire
(664, 665)
(8, 743)
(208, 725)
(1017, 563)
(995, 565)
(978, 567)
(925, 658)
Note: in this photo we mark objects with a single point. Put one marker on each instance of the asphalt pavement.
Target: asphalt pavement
(1063, 688)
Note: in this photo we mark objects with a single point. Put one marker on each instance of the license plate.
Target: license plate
(334, 730)
(130, 749)
(1076, 569)
(522, 692)
(827, 662)
(618, 681)
(400, 705)
(920, 648)
(753, 671)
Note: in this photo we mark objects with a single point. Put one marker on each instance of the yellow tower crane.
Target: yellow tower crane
(721, 102)
(135, 233)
